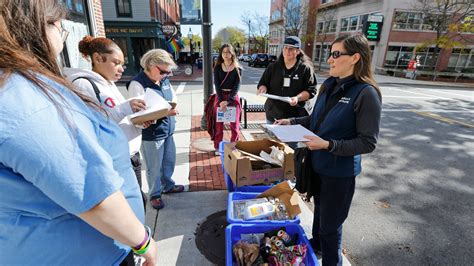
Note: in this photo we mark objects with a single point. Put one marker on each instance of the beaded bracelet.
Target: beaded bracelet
(143, 246)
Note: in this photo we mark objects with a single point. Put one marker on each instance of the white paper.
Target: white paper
(276, 97)
(230, 115)
(290, 133)
(154, 102)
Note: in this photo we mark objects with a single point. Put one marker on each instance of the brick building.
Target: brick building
(404, 28)
(140, 27)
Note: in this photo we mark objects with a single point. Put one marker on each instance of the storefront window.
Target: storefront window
(122, 43)
(398, 56)
(460, 59)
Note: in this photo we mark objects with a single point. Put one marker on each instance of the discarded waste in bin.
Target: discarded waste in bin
(249, 244)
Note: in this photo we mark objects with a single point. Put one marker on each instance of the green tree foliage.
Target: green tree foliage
(450, 19)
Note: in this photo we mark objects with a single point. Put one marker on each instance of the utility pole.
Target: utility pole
(248, 48)
(207, 58)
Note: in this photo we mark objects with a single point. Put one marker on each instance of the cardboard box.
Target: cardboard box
(286, 195)
(245, 170)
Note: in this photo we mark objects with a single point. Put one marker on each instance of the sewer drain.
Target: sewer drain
(210, 237)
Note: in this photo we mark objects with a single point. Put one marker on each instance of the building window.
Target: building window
(124, 8)
(353, 23)
(321, 52)
(330, 26)
(398, 56)
(344, 24)
(461, 59)
(320, 27)
(413, 21)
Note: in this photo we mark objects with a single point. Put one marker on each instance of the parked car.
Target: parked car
(259, 60)
(272, 58)
(244, 57)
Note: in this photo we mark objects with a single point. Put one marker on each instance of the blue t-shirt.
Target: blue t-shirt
(50, 172)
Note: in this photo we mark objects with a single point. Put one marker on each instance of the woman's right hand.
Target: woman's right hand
(282, 122)
(137, 105)
(262, 89)
(150, 255)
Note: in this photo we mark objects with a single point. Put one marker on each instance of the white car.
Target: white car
(244, 57)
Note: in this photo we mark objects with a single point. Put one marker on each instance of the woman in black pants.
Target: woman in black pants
(346, 118)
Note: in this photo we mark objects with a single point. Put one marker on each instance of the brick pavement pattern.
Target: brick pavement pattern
(205, 168)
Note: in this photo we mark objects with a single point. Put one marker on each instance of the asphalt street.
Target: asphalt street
(413, 201)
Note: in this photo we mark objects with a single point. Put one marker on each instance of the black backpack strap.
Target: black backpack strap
(94, 86)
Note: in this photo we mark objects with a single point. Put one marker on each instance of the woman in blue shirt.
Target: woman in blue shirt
(69, 195)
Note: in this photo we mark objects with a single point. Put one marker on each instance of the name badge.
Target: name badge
(286, 82)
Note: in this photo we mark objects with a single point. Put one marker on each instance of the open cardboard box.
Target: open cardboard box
(246, 170)
(286, 195)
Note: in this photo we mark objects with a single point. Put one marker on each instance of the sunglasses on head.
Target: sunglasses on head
(163, 72)
(337, 54)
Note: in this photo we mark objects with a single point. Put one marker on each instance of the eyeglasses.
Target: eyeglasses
(62, 32)
(337, 54)
(163, 72)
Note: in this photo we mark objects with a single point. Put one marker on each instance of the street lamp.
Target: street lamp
(190, 36)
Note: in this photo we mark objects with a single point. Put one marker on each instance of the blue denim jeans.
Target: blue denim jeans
(160, 159)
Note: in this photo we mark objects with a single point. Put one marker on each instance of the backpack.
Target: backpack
(94, 86)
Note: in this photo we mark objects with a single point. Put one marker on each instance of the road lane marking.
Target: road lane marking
(407, 97)
(443, 119)
(469, 94)
(180, 88)
(418, 93)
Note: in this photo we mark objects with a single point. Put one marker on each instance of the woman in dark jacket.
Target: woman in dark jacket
(292, 75)
(350, 128)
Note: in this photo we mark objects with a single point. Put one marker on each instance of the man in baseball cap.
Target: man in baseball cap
(292, 41)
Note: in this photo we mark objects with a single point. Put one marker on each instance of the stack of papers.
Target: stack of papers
(290, 133)
(156, 108)
(276, 97)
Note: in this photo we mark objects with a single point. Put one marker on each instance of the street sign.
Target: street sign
(373, 27)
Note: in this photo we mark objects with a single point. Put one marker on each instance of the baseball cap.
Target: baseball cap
(292, 41)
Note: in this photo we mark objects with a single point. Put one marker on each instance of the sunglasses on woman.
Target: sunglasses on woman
(163, 72)
(337, 54)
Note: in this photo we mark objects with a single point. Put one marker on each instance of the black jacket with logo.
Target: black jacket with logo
(272, 78)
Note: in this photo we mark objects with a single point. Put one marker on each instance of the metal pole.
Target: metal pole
(207, 57)
(248, 48)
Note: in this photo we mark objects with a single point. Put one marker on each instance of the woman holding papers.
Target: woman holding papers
(99, 84)
(68, 193)
(292, 75)
(158, 145)
(227, 75)
(346, 119)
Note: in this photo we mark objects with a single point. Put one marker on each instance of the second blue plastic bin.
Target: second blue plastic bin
(248, 195)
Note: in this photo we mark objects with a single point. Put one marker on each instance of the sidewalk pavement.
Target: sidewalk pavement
(200, 171)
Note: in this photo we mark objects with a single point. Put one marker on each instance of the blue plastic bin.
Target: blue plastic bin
(233, 231)
(249, 195)
(228, 182)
